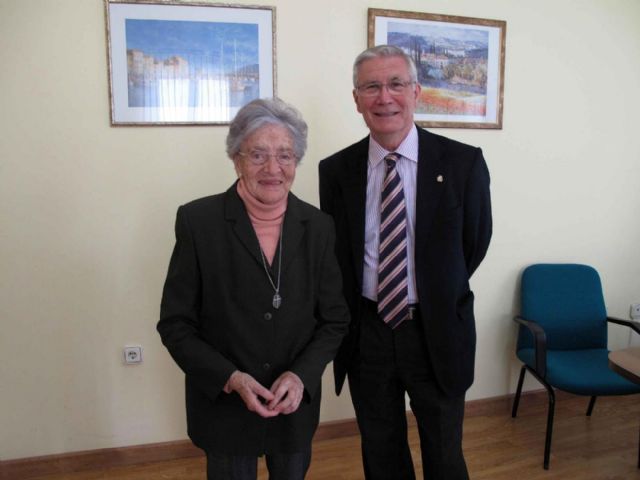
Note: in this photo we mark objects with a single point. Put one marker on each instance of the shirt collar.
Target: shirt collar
(408, 148)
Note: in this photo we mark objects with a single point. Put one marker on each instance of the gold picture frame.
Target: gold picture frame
(187, 63)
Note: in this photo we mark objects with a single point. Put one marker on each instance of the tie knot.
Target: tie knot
(391, 159)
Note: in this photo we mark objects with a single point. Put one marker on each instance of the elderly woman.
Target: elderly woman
(252, 309)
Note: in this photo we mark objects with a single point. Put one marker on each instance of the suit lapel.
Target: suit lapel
(432, 175)
(293, 231)
(355, 193)
(236, 214)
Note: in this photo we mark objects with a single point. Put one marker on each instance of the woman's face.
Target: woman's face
(271, 181)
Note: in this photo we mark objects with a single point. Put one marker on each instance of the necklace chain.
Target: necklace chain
(277, 299)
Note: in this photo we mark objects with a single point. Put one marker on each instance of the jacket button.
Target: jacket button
(267, 316)
(266, 366)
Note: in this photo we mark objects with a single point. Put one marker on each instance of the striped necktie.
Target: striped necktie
(393, 298)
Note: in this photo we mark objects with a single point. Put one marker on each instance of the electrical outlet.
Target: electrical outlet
(635, 311)
(133, 354)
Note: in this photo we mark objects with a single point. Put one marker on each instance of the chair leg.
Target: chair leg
(639, 453)
(547, 441)
(592, 402)
(552, 406)
(516, 399)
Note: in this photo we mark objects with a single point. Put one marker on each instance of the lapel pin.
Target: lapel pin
(439, 179)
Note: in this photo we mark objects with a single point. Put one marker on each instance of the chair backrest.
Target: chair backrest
(567, 301)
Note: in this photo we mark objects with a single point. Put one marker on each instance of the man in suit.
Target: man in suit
(427, 350)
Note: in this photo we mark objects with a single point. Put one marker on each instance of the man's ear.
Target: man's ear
(355, 99)
(417, 91)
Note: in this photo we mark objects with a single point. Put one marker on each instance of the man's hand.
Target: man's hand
(287, 393)
(252, 393)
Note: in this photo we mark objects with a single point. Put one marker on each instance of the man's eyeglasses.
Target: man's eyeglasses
(260, 157)
(373, 89)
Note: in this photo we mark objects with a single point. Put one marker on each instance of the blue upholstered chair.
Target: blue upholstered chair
(562, 339)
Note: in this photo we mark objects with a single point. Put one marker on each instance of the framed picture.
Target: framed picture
(178, 63)
(459, 61)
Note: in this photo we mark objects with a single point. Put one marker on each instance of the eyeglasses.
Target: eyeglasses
(373, 89)
(260, 157)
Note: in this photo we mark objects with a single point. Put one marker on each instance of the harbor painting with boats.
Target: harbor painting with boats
(183, 64)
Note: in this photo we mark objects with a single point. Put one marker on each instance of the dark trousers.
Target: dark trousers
(389, 364)
(291, 466)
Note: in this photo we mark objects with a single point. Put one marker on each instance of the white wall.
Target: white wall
(87, 210)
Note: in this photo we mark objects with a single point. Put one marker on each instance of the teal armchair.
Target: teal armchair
(562, 337)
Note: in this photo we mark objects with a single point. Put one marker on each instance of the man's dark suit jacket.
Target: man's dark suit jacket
(453, 229)
(217, 316)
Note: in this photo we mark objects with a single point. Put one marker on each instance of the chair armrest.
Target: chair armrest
(540, 343)
(627, 323)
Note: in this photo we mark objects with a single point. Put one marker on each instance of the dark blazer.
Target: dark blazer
(453, 229)
(217, 316)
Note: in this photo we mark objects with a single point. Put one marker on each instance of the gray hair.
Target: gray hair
(382, 51)
(267, 111)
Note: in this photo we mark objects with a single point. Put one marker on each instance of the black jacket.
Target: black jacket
(453, 230)
(217, 316)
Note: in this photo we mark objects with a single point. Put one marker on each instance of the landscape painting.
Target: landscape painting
(459, 62)
(182, 66)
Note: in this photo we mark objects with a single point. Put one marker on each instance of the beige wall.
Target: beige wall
(87, 210)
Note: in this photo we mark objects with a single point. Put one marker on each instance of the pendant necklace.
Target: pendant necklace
(277, 299)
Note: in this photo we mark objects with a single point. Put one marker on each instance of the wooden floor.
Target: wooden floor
(496, 447)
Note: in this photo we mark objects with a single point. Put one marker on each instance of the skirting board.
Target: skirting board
(26, 468)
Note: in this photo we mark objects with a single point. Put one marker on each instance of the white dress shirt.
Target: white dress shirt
(407, 167)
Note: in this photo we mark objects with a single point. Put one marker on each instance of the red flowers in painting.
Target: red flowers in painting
(440, 101)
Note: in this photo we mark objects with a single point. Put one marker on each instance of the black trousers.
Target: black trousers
(389, 364)
(285, 466)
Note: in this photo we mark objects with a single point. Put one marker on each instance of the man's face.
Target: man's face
(388, 116)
